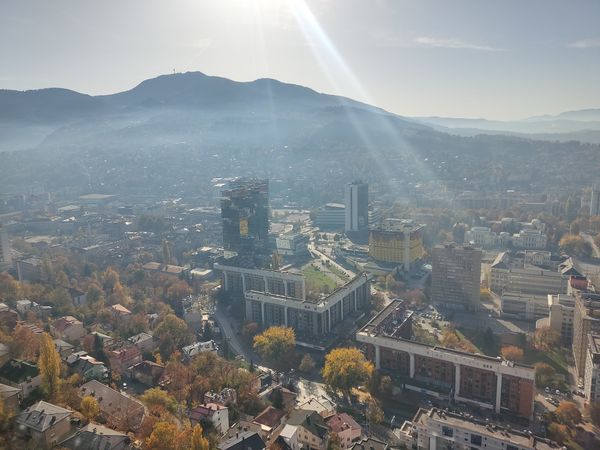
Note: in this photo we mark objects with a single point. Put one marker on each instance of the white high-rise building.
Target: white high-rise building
(356, 199)
(595, 202)
(5, 258)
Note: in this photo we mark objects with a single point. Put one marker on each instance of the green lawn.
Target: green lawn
(339, 273)
(555, 358)
(317, 281)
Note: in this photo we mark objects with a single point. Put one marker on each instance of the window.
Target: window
(475, 439)
(447, 431)
(511, 447)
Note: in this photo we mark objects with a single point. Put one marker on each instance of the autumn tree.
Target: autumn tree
(307, 364)
(544, 373)
(89, 408)
(512, 353)
(172, 333)
(49, 365)
(558, 432)
(24, 343)
(157, 397)
(574, 245)
(276, 346)
(346, 368)
(378, 301)
(545, 339)
(198, 441)
(163, 437)
(375, 414)
(568, 413)
(166, 252)
(485, 294)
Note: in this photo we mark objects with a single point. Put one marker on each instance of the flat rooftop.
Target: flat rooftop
(523, 440)
(389, 320)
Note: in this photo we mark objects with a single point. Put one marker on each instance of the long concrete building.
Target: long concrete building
(436, 429)
(586, 321)
(456, 276)
(492, 383)
(279, 298)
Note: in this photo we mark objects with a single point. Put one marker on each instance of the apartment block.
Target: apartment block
(492, 383)
(456, 276)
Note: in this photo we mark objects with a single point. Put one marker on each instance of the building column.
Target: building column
(377, 357)
(266, 285)
(243, 283)
(285, 318)
(342, 309)
(456, 380)
(285, 287)
(329, 320)
(354, 300)
(225, 280)
(498, 391)
(262, 312)
(411, 358)
(303, 289)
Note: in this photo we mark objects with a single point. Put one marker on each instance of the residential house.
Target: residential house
(122, 355)
(8, 318)
(247, 440)
(22, 375)
(269, 419)
(10, 395)
(88, 367)
(189, 351)
(145, 342)
(119, 312)
(44, 423)
(243, 426)
(63, 348)
(68, 328)
(322, 405)
(217, 415)
(97, 437)
(288, 398)
(345, 427)
(4, 354)
(115, 406)
(78, 297)
(147, 372)
(311, 429)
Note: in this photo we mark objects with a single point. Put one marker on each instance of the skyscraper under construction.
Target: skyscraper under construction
(245, 214)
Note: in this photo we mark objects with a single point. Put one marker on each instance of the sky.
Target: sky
(503, 60)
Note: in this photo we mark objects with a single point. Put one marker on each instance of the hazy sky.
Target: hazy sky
(498, 59)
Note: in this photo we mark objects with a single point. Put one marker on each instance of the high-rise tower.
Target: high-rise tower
(356, 196)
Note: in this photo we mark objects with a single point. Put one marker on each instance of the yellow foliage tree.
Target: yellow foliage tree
(346, 368)
(276, 345)
(512, 353)
(163, 437)
(89, 408)
(198, 441)
(49, 365)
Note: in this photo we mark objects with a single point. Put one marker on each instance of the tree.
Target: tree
(544, 373)
(375, 414)
(157, 397)
(594, 410)
(558, 432)
(49, 365)
(89, 408)
(485, 295)
(276, 346)
(163, 437)
(574, 245)
(166, 252)
(346, 368)
(378, 301)
(512, 353)
(24, 344)
(199, 442)
(568, 413)
(173, 333)
(307, 364)
(545, 339)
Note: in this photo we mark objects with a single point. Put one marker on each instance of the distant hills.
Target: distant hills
(582, 125)
(174, 133)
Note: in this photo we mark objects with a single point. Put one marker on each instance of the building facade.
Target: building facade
(5, 256)
(456, 276)
(397, 241)
(245, 216)
(591, 379)
(356, 199)
(488, 382)
(586, 321)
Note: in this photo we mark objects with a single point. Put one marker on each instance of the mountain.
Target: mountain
(582, 125)
(174, 133)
